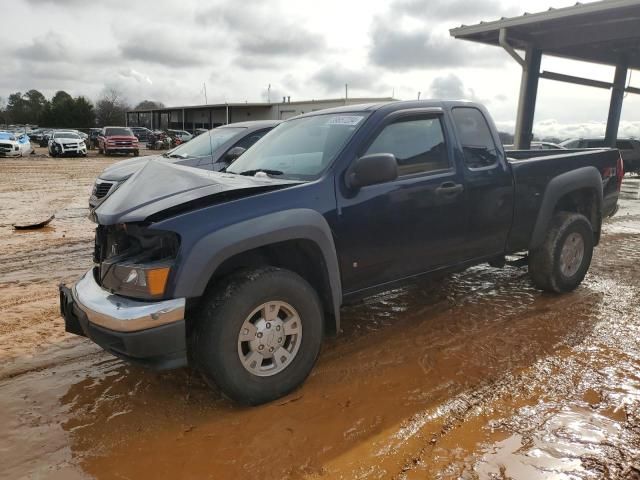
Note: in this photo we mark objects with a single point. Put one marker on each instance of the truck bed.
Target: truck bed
(532, 171)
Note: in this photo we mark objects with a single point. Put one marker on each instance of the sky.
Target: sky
(169, 51)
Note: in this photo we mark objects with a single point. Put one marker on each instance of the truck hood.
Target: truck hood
(121, 138)
(164, 189)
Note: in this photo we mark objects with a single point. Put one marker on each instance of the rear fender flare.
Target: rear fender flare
(585, 177)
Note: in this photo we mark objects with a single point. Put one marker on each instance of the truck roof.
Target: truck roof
(393, 105)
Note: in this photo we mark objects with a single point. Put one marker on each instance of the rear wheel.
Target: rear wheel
(259, 335)
(562, 261)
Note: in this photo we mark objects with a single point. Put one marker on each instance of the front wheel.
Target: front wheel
(560, 264)
(259, 334)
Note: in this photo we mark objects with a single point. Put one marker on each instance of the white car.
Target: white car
(14, 144)
(66, 143)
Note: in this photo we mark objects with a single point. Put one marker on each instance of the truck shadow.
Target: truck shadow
(401, 353)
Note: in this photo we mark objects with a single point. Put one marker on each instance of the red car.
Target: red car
(118, 140)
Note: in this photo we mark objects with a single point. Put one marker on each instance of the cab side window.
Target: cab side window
(480, 150)
(417, 144)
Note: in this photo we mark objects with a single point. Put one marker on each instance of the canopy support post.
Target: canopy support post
(527, 100)
(615, 106)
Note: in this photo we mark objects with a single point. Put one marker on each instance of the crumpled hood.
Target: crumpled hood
(125, 168)
(159, 186)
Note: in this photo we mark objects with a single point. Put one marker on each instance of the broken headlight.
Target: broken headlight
(135, 261)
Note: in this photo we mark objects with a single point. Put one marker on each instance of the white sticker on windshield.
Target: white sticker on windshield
(344, 120)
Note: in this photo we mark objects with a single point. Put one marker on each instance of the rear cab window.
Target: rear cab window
(480, 151)
(417, 143)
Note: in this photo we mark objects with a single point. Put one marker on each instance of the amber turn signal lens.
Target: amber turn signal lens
(157, 280)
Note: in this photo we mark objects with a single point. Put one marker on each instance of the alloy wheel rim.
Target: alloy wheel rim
(571, 254)
(269, 338)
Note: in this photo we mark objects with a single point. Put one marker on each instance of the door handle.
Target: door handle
(449, 189)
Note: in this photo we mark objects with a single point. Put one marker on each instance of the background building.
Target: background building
(210, 116)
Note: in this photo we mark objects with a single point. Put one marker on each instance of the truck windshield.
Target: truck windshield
(299, 149)
(123, 132)
(202, 145)
(72, 135)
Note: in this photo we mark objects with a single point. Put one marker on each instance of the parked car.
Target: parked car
(66, 142)
(629, 148)
(212, 151)
(118, 140)
(183, 135)
(141, 133)
(14, 144)
(35, 135)
(539, 146)
(241, 273)
(44, 139)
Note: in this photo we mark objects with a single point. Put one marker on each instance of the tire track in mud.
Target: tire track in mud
(35, 265)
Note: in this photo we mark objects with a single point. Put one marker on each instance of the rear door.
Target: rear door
(488, 181)
(413, 224)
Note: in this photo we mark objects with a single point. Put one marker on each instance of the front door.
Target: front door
(411, 225)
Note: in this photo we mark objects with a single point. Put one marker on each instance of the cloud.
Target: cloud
(263, 36)
(57, 2)
(401, 49)
(554, 129)
(451, 87)
(435, 10)
(49, 47)
(333, 78)
(289, 42)
(164, 50)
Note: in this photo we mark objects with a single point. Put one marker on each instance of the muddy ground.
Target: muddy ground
(477, 375)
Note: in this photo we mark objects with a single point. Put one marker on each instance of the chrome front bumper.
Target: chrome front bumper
(121, 314)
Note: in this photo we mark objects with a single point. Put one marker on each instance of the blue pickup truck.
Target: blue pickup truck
(241, 273)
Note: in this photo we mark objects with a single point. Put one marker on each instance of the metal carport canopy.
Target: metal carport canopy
(605, 32)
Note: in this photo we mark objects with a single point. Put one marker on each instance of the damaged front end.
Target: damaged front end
(121, 304)
(126, 303)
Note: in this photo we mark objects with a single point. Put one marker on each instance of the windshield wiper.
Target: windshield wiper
(176, 155)
(264, 170)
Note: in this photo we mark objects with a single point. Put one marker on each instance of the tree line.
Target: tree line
(65, 111)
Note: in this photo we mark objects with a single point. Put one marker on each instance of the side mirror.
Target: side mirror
(234, 153)
(371, 170)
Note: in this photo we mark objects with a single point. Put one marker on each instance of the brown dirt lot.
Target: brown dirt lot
(478, 375)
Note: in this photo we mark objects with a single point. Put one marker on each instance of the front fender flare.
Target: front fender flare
(200, 263)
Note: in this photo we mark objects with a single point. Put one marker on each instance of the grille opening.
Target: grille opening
(102, 189)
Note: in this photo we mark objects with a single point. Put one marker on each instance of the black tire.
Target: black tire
(218, 324)
(545, 262)
(136, 153)
(100, 151)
